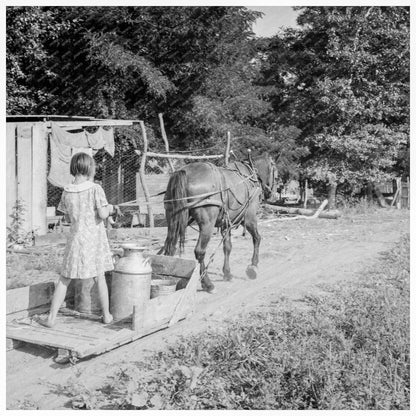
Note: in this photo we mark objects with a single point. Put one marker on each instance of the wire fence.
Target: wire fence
(120, 179)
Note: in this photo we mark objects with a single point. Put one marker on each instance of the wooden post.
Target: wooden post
(11, 178)
(165, 139)
(143, 174)
(175, 156)
(24, 171)
(305, 200)
(227, 150)
(399, 190)
(39, 174)
(408, 193)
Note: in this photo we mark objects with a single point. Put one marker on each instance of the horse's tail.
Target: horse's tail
(177, 213)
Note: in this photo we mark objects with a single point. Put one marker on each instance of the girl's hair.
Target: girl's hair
(82, 164)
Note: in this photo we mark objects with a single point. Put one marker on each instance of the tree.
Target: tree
(345, 77)
(134, 62)
(28, 30)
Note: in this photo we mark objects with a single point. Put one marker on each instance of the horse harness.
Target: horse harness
(250, 181)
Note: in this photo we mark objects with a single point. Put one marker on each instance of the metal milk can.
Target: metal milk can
(130, 284)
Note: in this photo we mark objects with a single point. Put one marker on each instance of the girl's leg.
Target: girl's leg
(58, 298)
(103, 295)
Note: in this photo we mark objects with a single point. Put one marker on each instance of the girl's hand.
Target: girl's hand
(117, 210)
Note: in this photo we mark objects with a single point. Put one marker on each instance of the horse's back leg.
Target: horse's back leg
(250, 221)
(227, 246)
(205, 217)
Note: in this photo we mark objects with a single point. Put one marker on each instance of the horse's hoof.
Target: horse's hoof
(211, 290)
(228, 277)
(251, 272)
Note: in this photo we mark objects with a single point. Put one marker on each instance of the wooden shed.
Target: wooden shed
(27, 162)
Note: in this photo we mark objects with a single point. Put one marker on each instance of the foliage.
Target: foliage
(134, 62)
(346, 348)
(16, 233)
(28, 76)
(330, 100)
(344, 81)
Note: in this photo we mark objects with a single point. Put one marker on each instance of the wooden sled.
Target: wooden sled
(78, 335)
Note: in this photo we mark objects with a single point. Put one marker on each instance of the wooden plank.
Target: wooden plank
(176, 156)
(142, 175)
(27, 313)
(332, 214)
(165, 139)
(72, 125)
(69, 333)
(28, 297)
(172, 266)
(11, 178)
(123, 338)
(39, 175)
(12, 344)
(24, 171)
(50, 337)
(187, 302)
(138, 319)
(161, 309)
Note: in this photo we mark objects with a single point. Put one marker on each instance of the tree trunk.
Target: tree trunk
(379, 195)
(369, 192)
(332, 191)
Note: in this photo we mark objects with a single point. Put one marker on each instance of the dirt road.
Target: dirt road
(294, 257)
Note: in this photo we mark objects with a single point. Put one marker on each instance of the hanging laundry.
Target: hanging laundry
(109, 141)
(86, 150)
(60, 158)
(64, 144)
(102, 138)
(64, 138)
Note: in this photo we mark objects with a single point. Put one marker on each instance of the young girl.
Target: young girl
(87, 253)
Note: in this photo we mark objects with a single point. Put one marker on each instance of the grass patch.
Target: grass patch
(345, 349)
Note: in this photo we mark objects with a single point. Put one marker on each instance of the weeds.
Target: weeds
(348, 349)
(16, 234)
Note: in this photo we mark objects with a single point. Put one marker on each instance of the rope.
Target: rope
(205, 195)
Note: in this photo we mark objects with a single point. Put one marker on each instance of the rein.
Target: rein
(205, 195)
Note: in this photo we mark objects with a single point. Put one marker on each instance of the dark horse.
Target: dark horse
(217, 197)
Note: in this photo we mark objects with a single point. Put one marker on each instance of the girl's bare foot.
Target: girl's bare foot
(107, 319)
(46, 322)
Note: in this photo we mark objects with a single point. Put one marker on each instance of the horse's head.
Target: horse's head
(265, 168)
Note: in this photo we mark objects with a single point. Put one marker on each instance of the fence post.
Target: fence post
(143, 174)
(24, 171)
(39, 174)
(399, 190)
(11, 179)
(227, 149)
(165, 139)
(408, 193)
(305, 202)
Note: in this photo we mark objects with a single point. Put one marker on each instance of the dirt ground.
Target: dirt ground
(295, 256)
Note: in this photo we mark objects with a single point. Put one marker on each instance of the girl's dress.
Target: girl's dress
(87, 253)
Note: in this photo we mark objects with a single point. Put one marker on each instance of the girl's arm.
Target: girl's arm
(106, 211)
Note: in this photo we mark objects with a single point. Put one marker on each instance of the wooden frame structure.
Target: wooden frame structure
(147, 203)
(78, 335)
(27, 161)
